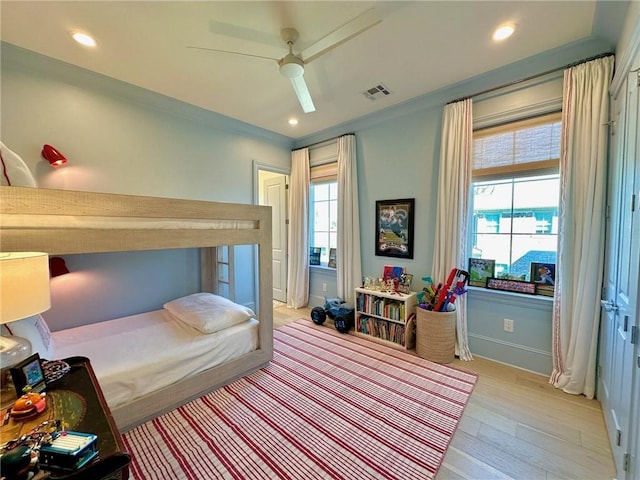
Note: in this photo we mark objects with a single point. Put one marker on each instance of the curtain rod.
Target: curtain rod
(323, 141)
(532, 77)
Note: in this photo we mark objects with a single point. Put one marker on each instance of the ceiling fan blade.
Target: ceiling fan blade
(302, 92)
(234, 53)
(340, 35)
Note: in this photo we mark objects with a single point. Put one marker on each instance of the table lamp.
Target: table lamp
(24, 291)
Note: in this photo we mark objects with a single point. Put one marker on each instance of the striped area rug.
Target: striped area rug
(329, 406)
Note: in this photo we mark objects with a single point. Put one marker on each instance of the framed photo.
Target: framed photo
(508, 285)
(391, 271)
(394, 228)
(332, 258)
(28, 373)
(543, 273)
(404, 286)
(479, 270)
(314, 255)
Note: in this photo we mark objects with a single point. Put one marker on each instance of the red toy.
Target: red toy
(455, 285)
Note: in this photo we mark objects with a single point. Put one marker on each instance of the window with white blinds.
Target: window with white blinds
(515, 193)
(531, 145)
(324, 173)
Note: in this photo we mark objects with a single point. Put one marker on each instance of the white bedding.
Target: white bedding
(133, 356)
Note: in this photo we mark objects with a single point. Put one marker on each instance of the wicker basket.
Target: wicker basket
(436, 335)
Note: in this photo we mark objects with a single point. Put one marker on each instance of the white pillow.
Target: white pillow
(36, 330)
(207, 312)
(15, 171)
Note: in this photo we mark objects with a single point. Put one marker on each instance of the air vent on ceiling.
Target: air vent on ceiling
(376, 92)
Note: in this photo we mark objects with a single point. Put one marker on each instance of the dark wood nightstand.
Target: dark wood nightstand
(77, 400)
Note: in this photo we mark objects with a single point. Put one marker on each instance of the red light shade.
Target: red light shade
(53, 156)
(57, 266)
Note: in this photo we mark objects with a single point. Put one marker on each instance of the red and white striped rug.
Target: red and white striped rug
(329, 406)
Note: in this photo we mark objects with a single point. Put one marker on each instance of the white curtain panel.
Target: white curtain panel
(583, 170)
(298, 269)
(349, 268)
(452, 206)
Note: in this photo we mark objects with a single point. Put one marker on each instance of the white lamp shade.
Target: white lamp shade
(24, 285)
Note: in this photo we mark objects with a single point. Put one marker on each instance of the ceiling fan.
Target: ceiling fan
(292, 65)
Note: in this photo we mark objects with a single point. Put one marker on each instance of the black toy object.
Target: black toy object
(318, 315)
(344, 323)
(340, 312)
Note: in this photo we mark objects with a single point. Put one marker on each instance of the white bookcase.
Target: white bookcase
(386, 317)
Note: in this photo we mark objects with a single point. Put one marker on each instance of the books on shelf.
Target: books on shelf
(384, 329)
(382, 307)
(385, 316)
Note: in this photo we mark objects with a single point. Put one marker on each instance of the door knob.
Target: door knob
(609, 305)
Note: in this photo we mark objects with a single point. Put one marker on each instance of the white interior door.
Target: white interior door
(606, 378)
(633, 445)
(627, 295)
(620, 297)
(274, 194)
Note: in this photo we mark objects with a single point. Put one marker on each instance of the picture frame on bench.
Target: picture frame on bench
(508, 285)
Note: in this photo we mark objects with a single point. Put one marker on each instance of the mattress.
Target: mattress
(139, 354)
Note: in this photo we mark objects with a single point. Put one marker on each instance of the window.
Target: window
(514, 195)
(324, 217)
(323, 206)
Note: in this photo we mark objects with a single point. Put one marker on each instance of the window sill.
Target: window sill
(321, 268)
(510, 298)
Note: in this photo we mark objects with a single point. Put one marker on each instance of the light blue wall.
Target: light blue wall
(102, 286)
(123, 139)
(528, 346)
(322, 285)
(398, 151)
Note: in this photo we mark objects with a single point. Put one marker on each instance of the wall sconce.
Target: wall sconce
(57, 267)
(53, 156)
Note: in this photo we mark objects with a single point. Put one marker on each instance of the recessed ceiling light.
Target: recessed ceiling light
(293, 121)
(504, 31)
(84, 39)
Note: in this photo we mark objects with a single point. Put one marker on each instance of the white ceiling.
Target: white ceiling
(418, 47)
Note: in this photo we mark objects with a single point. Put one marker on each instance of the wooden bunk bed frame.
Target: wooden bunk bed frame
(61, 222)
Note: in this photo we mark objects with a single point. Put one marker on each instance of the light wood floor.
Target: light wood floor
(518, 426)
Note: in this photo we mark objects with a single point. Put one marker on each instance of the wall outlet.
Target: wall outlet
(324, 287)
(508, 325)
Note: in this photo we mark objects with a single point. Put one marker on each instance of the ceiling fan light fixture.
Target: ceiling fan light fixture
(291, 66)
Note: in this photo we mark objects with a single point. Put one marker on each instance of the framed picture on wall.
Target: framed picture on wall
(394, 227)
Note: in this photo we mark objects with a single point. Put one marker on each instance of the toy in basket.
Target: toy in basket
(442, 298)
(436, 317)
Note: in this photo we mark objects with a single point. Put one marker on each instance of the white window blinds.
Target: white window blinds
(324, 173)
(531, 145)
